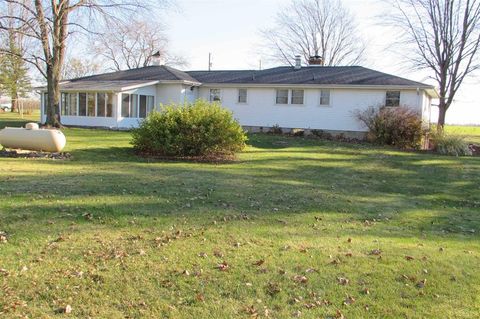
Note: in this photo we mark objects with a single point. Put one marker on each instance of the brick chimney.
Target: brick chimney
(315, 60)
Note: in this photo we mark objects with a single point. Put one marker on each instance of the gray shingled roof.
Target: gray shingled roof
(322, 75)
(312, 75)
(149, 73)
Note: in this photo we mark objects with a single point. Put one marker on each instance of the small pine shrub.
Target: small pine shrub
(200, 129)
(401, 127)
(452, 145)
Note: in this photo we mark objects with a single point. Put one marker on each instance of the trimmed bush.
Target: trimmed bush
(400, 126)
(201, 129)
(451, 145)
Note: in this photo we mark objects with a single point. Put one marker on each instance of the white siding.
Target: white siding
(261, 109)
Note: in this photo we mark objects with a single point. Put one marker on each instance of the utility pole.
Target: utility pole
(209, 61)
(260, 65)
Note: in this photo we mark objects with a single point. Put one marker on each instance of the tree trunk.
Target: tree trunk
(442, 111)
(14, 97)
(53, 100)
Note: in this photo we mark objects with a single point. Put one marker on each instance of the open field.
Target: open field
(296, 227)
(471, 133)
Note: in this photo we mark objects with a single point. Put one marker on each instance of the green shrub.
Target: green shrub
(453, 145)
(201, 129)
(400, 126)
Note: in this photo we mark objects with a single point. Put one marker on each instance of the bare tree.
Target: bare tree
(131, 45)
(445, 37)
(77, 67)
(322, 28)
(50, 24)
(14, 78)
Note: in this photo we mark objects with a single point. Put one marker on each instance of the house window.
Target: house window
(215, 95)
(45, 103)
(324, 97)
(91, 104)
(297, 97)
(101, 110)
(150, 104)
(73, 98)
(392, 98)
(64, 110)
(142, 113)
(145, 106)
(282, 97)
(134, 105)
(125, 105)
(82, 104)
(242, 96)
(109, 110)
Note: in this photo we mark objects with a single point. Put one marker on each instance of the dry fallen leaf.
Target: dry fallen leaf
(203, 255)
(376, 252)
(348, 301)
(343, 281)
(339, 315)
(259, 262)
(409, 258)
(223, 266)
(422, 283)
(300, 279)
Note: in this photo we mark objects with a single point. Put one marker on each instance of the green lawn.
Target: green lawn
(471, 133)
(305, 228)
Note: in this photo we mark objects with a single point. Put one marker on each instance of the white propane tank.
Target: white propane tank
(31, 126)
(33, 139)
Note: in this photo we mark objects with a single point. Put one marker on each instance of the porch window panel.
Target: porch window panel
(91, 104)
(64, 110)
(73, 100)
(82, 104)
(125, 105)
(150, 104)
(45, 102)
(134, 105)
(101, 105)
(109, 105)
(142, 113)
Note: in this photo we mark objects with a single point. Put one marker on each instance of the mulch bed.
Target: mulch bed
(31, 154)
(475, 149)
(223, 159)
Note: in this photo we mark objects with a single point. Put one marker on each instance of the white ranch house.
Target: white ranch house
(306, 97)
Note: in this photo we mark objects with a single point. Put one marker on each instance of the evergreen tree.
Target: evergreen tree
(14, 78)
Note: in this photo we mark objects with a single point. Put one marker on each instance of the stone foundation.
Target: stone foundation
(334, 133)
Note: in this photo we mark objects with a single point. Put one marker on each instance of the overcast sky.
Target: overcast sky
(229, 30)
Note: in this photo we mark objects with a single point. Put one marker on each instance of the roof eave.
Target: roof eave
(333, 86)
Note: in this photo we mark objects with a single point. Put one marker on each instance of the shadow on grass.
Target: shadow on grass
(423, 193)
